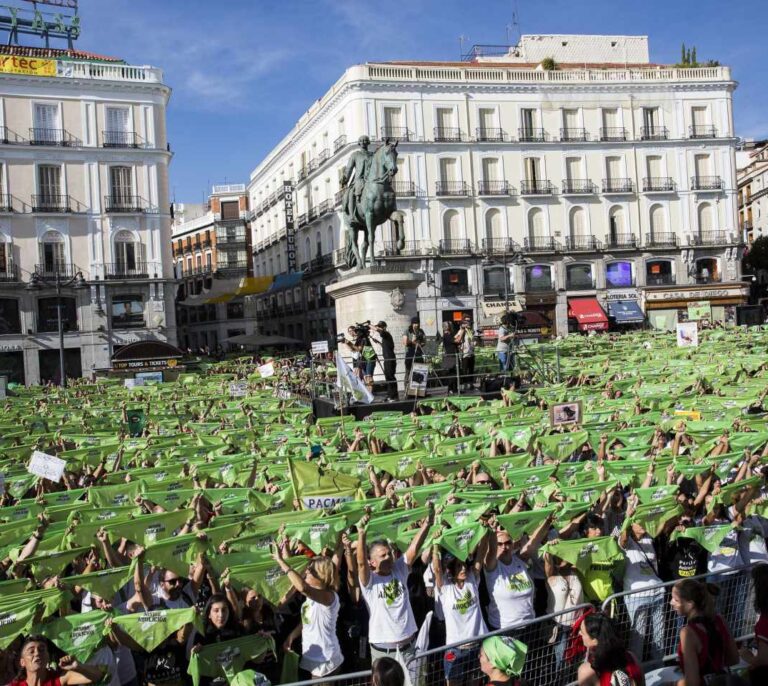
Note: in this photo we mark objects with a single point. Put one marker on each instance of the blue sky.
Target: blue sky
(243, 71)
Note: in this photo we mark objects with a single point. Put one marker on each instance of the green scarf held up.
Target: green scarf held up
(461, 541)
(519, 524)
(105, 583)
(708, 537)
(319, 534)
(583, 553)
(653, 516)
(506, 654)
(150, 629)
(228, 657)
(16, 620)
(266, 577)
(78, 635)
(53, 563)
(563, 445)
(176, 553)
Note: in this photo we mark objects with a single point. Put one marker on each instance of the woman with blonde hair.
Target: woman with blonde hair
(321, 652)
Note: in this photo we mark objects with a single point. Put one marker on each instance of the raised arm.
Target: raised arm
(363, 570)
(413, 549)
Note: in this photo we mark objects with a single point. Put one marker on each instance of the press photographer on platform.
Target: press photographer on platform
(359, 342)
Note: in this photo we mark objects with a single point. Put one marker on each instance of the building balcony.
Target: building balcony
(54, 204)
(706, 183)
(302, 173)
(301, 219)
(654, 133)
(447, 134)
(454, 188)
(660, 240)
(659, 280)
(339, 143)
(404, 189)
(658, 184)
(618, 185)
(338, 196)
(711, 238)
(119, 270)
(582, 243)
(410, 249)
(494, 188)
(539, 244)
(61, 270)
(492, 135)
(119, 139)
(571, 135)
(395, 133)
(531, 135)
(538, 187)
(127, 204)
(621, 241)
(500, 246)
(578, 187)
(455, 246)
(5, 203)
(702, 131)
(232, 269)
(9, 273)
(60, 137)
(613, 134)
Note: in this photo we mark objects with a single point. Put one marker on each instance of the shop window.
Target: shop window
(47, 314)
(10, 322)
(12, 366)
(659, 273)
(128, 311)
(619, 275)
(707, 270)
(455, 282)
(538, 278)
(578, 277)
(496, 281)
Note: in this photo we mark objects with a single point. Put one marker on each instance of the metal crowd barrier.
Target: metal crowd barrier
(645, 619)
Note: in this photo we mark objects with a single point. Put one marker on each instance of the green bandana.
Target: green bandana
(266, 577)
(176, 553)
(77, 634)
(506, 654)
(583, 553)
(218, 659)
(708, 537)
(461, 541)
(150, 629)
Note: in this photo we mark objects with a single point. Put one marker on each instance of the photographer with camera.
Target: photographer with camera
(366, 355)
(465, 339)
(505, 342)
(390, 361)
(414, 340)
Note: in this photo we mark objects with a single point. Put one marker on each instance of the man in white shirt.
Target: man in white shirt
(384, 584)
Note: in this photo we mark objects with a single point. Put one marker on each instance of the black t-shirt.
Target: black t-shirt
(685, 558)
(387, 345)
(449, 345)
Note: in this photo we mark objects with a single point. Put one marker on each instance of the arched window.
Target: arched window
(329, 240)
(578, 223)
(494, 231)
(619, 274)
(451, 228)
(707, 270)
(307, 249)
(538, 277)
(617, 230)
(53, 258)
(128, 253)
(706, 227)
(659, 273)
(536, 227)
(318, 244)
(658, 223)
(578, 277)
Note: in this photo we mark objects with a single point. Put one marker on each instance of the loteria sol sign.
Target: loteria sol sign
(31, 66)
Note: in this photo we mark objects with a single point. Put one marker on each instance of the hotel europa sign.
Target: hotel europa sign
(29, 66)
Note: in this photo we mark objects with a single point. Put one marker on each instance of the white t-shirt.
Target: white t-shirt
(511, 590)
(752, 539)
(429, 583)
(461, 607)
(564, 592)
(186, 598)
(321, 652)
(641, 564)
(391, 618)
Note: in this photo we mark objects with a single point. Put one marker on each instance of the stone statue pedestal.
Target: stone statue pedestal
(377, 294)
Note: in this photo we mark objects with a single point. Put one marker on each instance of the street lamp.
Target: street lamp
(77, 282)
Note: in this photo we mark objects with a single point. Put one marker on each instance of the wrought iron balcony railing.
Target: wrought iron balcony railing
(447, 134)
(577, 187)
(404, 189)
(395, 133)
(537, 187)
(410, 249)
(60, 137)
(121, 270)
(52, 270)
(9, 272)
(618, 185)
(654, 133)
(455, 246)
(658, 184)
(46, 202)
(613, 134)
(499, 246)
(702, 131)
(339, 143)
(451, 188)
(531, 135)
(539, 244)
(706, 183)
(621, 240)
(125, 203)
(494, 188)
(710, 238)
(119, 139)
(661, 240)
(490, 135)
(573, 135)
(587, 243)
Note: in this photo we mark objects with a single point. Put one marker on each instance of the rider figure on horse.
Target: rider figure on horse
(360, 162)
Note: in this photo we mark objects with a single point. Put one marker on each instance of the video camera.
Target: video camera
(510, 319)
(361, 329)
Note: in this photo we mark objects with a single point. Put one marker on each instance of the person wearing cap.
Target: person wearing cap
(502, 659)
(390, 361)
(414, 339)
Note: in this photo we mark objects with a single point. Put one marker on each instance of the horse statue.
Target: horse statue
(377, 204)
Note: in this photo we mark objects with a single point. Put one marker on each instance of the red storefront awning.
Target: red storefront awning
(588, 313)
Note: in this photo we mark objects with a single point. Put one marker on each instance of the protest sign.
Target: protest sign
(563, 414)
(687, 335)
(238, 389)
(47, 466)
(267, 370)
(319, 347)
(417, 384)
(700, 310)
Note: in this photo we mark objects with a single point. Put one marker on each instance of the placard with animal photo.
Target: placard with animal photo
(564, 414)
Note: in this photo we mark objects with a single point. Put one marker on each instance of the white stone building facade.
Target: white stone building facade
(612, 181)
(84, 185)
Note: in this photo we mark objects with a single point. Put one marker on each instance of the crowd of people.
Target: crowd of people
(193, 536)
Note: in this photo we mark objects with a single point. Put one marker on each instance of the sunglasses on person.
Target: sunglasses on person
(178, 581)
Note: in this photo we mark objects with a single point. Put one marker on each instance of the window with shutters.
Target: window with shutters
(117, 132)
(653, 166)
(393, 122)
(532, 170)
(445, 117)
(573, 168)
(493, 225)
(490, 169)
(128, 253)
(47, 128)
(52, 253)
(536, 227)
(230, 210)
(489, 127)
(650, 117)
(611, 118)
(451, 228)
(658, 222)
(578, 224)
(702, 166)
(706, 226)
(49, 185)
(121, 186)
(528, 120)
(613, 168)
